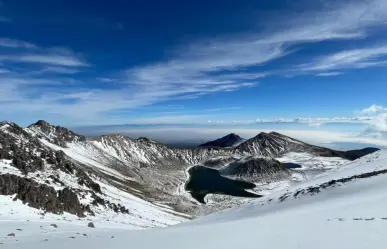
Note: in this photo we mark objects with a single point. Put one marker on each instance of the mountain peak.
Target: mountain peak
(261, 135)
(42, 123)
(11, 127)
(230, 140)
(273, 144)
(233, 135)
(272, 134)
(55, 134)
(5, 122)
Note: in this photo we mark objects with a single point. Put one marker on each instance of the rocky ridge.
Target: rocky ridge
(53, 158)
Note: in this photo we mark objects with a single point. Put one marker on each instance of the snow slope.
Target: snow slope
(108, 193)
(342, 208)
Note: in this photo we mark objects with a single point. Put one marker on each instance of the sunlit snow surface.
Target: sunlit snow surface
(309, 161)
(349, 215)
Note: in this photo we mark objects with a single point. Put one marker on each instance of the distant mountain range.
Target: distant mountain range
(52, 168)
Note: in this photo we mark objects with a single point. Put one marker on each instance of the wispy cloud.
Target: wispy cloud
(197, 68)
(316, 122)
(223, 109)
(56, 70)
(107, 80)
(329, 74)
(355, 58)
(50, 59)
(12, 43)
(206, 64)
(4, 71)
(32, 53)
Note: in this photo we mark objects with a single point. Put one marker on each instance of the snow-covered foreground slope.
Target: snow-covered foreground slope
(342, 208)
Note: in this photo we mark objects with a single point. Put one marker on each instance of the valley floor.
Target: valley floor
(342, 208)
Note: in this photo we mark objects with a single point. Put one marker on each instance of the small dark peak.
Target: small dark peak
(262, 135)
(42, 123)
(229, 140)
(145, 139)
(232, 135)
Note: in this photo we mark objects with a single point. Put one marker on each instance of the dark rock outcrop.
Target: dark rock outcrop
(23, 152)
(42, 196)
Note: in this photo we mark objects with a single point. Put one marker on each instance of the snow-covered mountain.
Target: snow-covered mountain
(116, 178)
(345, 205)
(274, 144)
(57, 180)
(230, 140)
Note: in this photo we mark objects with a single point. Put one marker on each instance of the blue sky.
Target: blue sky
(291, 65)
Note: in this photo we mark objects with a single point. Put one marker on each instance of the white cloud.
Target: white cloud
(340, 21)
(378, 121)
(107, 80)
(206, 64)
(32, 53)
(51, 59)
(314, 122)
(56, 70)
(200, 67)
(223, 109)
(374, 109)
(355, 58)
(4, 71)
(329, 74)
(12, 43)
